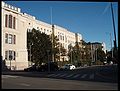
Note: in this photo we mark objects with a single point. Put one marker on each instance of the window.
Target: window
(6, 55)
(29, 30)
(10, 55)
(58, 36)
(14, 39)
(14, 55)
(6, 20)
(37, 28)
(6, 38)
(63, 38)
(10, 21)
(44, 31)
(14, 23)
(10, 39)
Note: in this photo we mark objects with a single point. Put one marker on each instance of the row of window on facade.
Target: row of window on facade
(10, 39)
(62, 37)
(10, 21)
(45, 31)
(10, 55)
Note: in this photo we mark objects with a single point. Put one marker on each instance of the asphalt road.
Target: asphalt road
(19, 82)
(89, 78)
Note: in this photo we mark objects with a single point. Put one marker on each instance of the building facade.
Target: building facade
(15, 25)
(93, 47)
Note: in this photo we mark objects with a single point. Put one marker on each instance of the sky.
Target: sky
(93, 20)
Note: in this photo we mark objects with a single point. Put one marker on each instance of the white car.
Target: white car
(69, 67)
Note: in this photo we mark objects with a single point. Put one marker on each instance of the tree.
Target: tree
(55, 48)
(115, 55)
(40, 43)
(101, 55)
(58, 50)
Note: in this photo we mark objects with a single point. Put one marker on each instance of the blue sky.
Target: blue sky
(91, 19)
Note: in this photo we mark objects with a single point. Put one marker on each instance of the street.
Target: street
(91, 78)
(19, 82)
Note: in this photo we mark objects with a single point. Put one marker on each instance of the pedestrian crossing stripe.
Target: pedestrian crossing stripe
(83, 76)
(77, 75)
(57, 75)
(72, 76)
(92, 76)
(63, 75)
(50, 75)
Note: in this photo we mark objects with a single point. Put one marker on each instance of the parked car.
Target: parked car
(53, 67)
(32, 68)
(68, 67)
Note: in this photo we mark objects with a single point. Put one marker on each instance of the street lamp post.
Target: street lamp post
(96, 54)
(71, 55)
(30, 54)
(10, 57)
(48, 61)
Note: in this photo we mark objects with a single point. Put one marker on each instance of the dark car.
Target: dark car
(53, 67)
(32, 68)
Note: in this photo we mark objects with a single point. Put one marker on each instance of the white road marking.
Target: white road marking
(57, 75)
(63, 75)
(92, 76)
(24, 84)
(50, 75)
(83, 76)
(9, 76)
(70, 75)
(77, 75)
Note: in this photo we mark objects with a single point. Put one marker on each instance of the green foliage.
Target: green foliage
(40, 43)
(101, 55)
(80, 53)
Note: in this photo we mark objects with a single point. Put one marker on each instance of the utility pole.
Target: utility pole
(71, 54)
(10, 58)
(52, 34)
(111, 44)
(52, 43)
(96, 53)
(91, 53)
(48, 61)
(115, 44)
(30, 54)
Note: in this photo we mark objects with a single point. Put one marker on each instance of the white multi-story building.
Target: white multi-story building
(15, 25)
